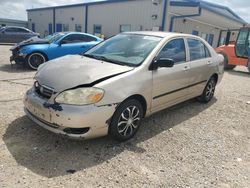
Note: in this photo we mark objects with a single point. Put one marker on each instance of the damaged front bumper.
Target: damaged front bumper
(86, 122)
(16, 56)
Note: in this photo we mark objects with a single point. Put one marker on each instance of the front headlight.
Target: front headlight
(23, 52)
(80, 96)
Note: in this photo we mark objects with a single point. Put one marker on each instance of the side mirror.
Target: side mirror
(228, 38)
(162, 62)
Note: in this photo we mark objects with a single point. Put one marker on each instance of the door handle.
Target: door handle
(186, 68)
(84, 46)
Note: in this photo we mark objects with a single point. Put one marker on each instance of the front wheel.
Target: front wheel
(208, 92)
(35, 59)
(126, 120)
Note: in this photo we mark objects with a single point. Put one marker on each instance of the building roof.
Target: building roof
(86, 2)
(215, 8)
(12, 21)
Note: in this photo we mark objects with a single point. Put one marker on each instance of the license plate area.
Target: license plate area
(39, 111)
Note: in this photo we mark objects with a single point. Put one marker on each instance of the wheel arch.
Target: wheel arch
(215, 76)
(140, 99)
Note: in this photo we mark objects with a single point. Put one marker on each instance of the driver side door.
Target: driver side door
(73, 44)
(170, 85)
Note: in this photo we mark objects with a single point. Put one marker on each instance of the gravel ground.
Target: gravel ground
(189, 145)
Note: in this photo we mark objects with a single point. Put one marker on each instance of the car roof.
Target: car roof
(74, 32)
(14, 27)
(160, 34)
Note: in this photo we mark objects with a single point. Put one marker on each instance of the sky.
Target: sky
(16, 9)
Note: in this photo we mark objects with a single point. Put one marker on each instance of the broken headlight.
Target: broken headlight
(80, 96)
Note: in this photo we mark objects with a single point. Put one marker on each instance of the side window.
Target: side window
(175, 49)
(208, 54)
(86, 38)
(68, 39)
(197, 50)
(20, 30)
(77, 39)
(11, 30)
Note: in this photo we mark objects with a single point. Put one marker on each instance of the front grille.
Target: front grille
(43, 91)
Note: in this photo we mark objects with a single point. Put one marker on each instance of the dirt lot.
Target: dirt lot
(189, 145)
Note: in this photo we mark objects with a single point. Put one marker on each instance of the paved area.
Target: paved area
(189, 145)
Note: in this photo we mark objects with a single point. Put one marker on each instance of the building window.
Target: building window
(222, 41)
(196, 33)
(124, 28)
(58, 27)
(33, 27)
(211, 39)
(97, 29)
(78, 27)
(204, 36)
(50, 28)
(65, 27)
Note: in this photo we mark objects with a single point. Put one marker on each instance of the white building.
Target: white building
(10, 22)
(109, 17)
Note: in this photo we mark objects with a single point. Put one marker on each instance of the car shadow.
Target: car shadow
(14, 68)
(51, 155)
(239, 73)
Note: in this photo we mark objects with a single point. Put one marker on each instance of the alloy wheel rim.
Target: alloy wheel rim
(210, 89)
(128, 121)
(35, 60)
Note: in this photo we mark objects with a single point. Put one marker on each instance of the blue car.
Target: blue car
(35, 51)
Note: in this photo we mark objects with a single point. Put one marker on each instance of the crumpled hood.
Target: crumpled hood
(74, 70)
(30, 41)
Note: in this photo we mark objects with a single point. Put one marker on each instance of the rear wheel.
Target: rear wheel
(35, 59)
(126, 120)
(208, 92)
(226, 65)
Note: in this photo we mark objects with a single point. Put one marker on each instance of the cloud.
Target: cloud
(240, 7)
(16, 9)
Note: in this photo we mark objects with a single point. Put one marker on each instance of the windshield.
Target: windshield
(242, 47)
(54, 37)
(125, 49)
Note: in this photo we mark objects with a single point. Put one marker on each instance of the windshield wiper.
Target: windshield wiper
(103, 58)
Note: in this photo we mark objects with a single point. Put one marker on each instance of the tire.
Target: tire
(248, 66)
(126, 120)
(35, 59)
(226, 65)
(208, 92)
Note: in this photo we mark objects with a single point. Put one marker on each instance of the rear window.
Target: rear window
(197, 50)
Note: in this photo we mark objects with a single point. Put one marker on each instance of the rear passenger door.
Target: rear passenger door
(200, 65)
(170, 85)
(22, 34)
